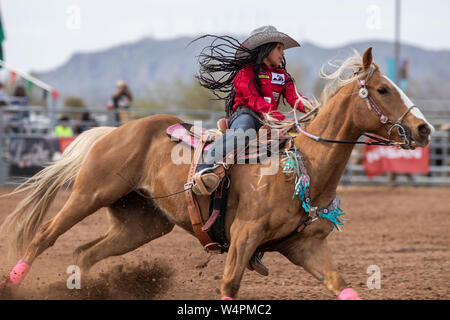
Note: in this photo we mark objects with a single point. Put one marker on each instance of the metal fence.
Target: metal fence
(439, 173)
(35, 122)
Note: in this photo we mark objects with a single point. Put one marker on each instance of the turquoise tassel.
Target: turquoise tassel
(290, 165)
(335, 215)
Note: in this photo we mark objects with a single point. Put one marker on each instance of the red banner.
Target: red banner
(379, 159)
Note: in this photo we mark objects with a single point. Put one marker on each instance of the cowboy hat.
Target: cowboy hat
(266, 34)
(121, 83)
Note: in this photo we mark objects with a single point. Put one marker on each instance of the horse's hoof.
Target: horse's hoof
(348, 294)
(19, 272)
(256, 264)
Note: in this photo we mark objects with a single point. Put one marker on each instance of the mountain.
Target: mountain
(147, 62)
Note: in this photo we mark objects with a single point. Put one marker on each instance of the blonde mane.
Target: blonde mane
(347, 70)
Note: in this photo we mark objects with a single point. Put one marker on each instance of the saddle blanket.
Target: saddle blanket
(260, 147)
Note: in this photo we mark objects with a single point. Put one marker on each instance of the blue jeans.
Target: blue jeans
(244, 125)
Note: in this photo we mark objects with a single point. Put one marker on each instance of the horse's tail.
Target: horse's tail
(22, 224)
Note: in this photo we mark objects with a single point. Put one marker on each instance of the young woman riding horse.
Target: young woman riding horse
(130, 170)
(253, 79)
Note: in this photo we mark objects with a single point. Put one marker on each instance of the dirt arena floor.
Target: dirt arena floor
(405, 231)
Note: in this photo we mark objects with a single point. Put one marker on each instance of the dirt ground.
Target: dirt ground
(404, 231)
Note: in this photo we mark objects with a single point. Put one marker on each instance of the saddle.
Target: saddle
(200, 140)
(267, 139)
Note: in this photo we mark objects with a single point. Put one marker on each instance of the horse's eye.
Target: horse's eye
(382, 90)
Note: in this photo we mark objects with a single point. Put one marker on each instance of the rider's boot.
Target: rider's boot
(205, 179)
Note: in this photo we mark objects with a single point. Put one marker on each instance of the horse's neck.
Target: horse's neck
(326, 162)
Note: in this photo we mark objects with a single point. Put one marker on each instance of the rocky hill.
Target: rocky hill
(148, 62)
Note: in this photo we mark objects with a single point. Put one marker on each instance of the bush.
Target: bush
(74, 102)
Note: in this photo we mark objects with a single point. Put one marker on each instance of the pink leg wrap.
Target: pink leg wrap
(19, 272)
(226, 298)
(348, 294)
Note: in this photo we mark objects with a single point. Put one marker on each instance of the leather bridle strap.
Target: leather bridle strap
(192, 204)
(364, 94)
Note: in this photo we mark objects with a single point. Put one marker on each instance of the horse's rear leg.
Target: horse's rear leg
(78, 206)
(315, 257)
(86, 246)
(134, 223)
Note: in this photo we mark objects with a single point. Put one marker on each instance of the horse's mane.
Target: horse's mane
(346, 72)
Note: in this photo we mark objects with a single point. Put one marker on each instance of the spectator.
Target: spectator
(63, 129)
(4, 99)
(122, 101)
(86, 122)
(20, 98)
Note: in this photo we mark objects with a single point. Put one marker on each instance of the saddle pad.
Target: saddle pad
(190, 135)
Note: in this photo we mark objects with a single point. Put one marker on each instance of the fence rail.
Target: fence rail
(439, 169)
(37, 122)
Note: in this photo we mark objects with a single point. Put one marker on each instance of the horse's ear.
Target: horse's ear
(367, 58)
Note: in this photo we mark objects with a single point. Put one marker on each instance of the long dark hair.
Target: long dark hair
(219, 64)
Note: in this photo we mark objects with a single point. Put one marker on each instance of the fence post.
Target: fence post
(4, 164)
(51, 112)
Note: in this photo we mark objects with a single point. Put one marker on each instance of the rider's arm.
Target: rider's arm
(291, 96)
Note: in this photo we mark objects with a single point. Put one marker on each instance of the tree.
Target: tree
(192, 96)
(74, 102)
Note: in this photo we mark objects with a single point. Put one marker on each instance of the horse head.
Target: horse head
(385, 110)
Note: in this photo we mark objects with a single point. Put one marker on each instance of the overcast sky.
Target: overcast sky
(42, 34)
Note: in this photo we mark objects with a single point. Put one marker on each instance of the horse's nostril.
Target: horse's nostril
(424, 130)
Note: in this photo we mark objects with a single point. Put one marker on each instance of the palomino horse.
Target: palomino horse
(114, 167)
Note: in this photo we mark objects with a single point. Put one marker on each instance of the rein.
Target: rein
(377, 142)
(364, 94)
(146, 196)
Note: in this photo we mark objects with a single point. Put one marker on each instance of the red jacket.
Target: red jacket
(274, 83)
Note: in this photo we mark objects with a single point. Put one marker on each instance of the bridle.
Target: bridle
(402, 131)
(364, 94)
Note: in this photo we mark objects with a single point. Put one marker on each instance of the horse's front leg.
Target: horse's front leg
(314, 256)
(245, 238)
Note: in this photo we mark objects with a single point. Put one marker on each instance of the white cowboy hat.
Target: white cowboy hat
(121, 83)
(266, 34)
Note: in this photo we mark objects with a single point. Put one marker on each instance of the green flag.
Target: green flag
(29, 86)
(2, 36)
